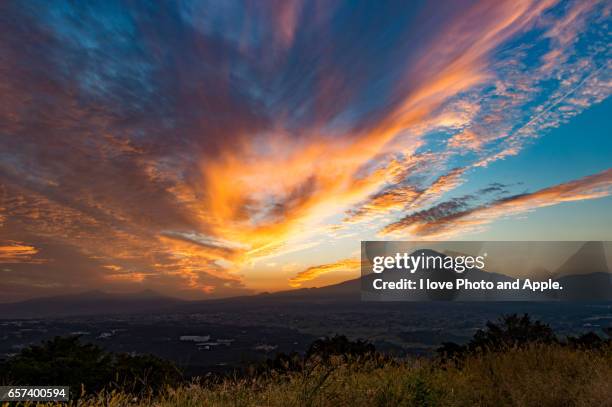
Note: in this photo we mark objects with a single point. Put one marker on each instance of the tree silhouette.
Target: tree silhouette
(60, 361)
(65, 361)
(510, 331)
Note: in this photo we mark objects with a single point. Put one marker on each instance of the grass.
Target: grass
(539, 375)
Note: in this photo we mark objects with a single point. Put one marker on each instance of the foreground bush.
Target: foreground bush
(535, 375)
(87, 368)
(516, 331)
(509, 331)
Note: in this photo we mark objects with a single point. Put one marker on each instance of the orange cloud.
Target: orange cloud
(260, 193)
(127, 243)
(315, 271)
(466, 140)
(18, 252)
(455, 217)
(126, 277)
(406, 196)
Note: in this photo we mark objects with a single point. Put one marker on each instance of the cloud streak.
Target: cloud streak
(17, 252)
(457, 216)
(313, 272)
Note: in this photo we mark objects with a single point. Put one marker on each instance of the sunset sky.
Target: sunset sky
(220, 148)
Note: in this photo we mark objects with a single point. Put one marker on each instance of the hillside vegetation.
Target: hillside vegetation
(511, 363)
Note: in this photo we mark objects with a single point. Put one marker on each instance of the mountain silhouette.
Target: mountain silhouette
(93, 302)
(589, 259)
(584, 276)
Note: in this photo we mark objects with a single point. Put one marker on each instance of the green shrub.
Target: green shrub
(510, 331)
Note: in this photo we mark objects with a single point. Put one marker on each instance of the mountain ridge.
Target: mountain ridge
(596, 285)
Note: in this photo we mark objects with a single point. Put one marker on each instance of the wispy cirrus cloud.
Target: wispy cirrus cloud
(18, 252)
(313, 272)
(402, 197)
(459, 215)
